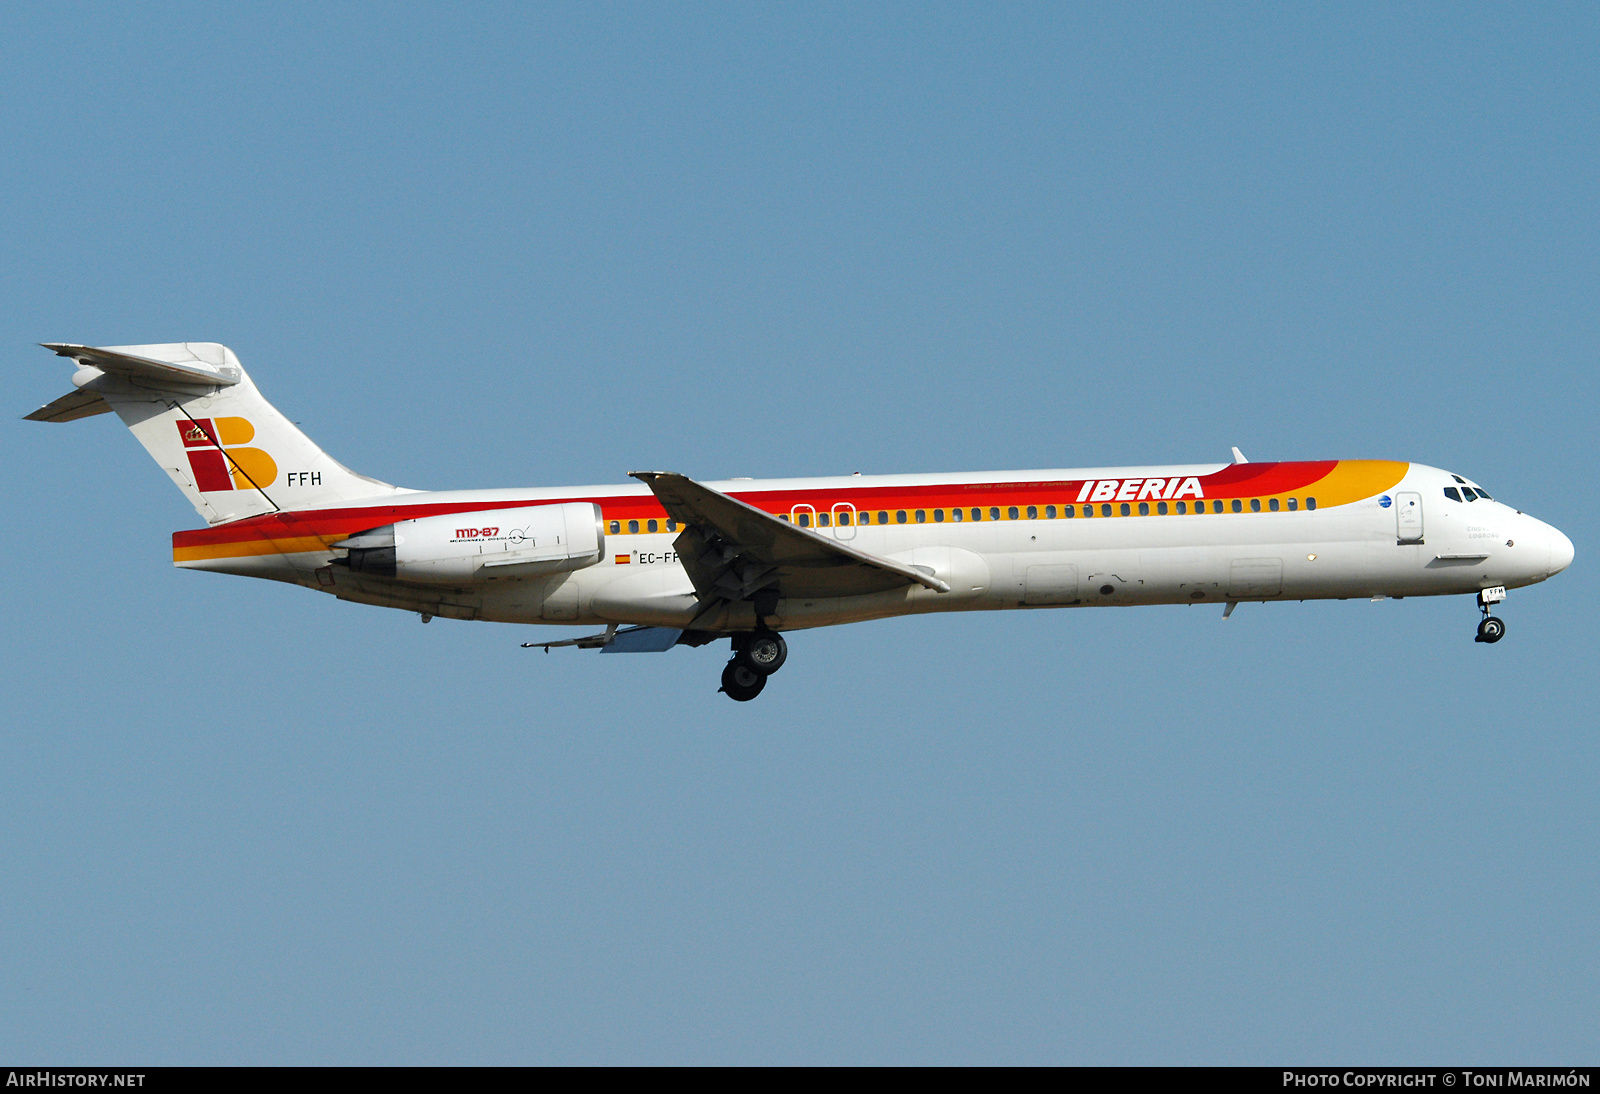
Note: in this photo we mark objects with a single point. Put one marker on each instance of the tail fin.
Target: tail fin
(196, 412)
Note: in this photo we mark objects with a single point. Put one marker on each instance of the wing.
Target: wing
(733, 551)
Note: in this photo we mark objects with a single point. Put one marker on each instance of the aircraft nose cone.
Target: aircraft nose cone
(1561, 551)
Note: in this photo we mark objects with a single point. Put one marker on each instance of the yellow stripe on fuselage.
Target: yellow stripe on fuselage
(1355, 480)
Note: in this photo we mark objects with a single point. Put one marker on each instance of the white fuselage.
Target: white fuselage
(1361, 546)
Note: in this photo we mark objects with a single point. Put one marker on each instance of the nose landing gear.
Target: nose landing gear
(1492, 628)
(756, 656)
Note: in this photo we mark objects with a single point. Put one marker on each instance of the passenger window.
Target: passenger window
(672, 526)
(1033, 512)
(805, 520)
(1311, 503)
(633, 527)
(1452, 493)
(822, 520)
(616, 526)
(883, 518)
(1144, 509)
(1105, 510)
(899, 516)
(1049, 512)
(1011, 513)
(844, 516)
(977, 514)
(938, 516)
(1216, 507)
(784, 517)
(1255, 505)
(652, 526)
(1161, 508)
(1238, 506)
(955, 515)
(1294, 503)
(994, 513)
(1183, 507)
(922, 516)
(1069, 511)
(1273, 505)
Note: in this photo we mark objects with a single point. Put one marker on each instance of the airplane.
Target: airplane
(669, 561)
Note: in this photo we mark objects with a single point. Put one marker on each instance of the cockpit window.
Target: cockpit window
(1459, 479)
(1466, 492)
(1482, 493)
(1452, 493)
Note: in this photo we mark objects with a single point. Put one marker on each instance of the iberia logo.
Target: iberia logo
(217, 462)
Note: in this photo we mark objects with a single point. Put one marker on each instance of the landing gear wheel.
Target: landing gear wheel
(764, 651)
(1492, 629)
(741, 682)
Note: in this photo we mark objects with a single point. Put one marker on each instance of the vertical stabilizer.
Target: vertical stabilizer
(200, 417)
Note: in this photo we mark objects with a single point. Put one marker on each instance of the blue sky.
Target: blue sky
(511, 245)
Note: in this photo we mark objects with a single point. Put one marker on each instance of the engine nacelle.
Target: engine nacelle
(465, 548)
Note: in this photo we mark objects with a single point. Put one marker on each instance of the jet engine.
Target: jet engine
(464, 548)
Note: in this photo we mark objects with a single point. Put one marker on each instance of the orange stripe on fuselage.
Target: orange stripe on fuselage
(245, 548)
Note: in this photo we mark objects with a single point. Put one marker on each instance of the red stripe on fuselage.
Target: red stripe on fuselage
(1234, 481)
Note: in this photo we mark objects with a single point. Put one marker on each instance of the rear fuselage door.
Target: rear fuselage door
(1408, 516)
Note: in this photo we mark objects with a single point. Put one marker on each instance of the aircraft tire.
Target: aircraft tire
(740, 682)
(764, 651)
(1492, 629)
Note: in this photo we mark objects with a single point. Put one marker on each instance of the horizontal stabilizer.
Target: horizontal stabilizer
(205, 364)
(71, 407)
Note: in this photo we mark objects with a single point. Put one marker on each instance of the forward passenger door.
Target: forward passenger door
(1408, 516)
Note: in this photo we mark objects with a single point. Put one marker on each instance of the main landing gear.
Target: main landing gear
(1492, 628)
(756, 656)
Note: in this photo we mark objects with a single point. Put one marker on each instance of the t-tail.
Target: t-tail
(192, 406)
